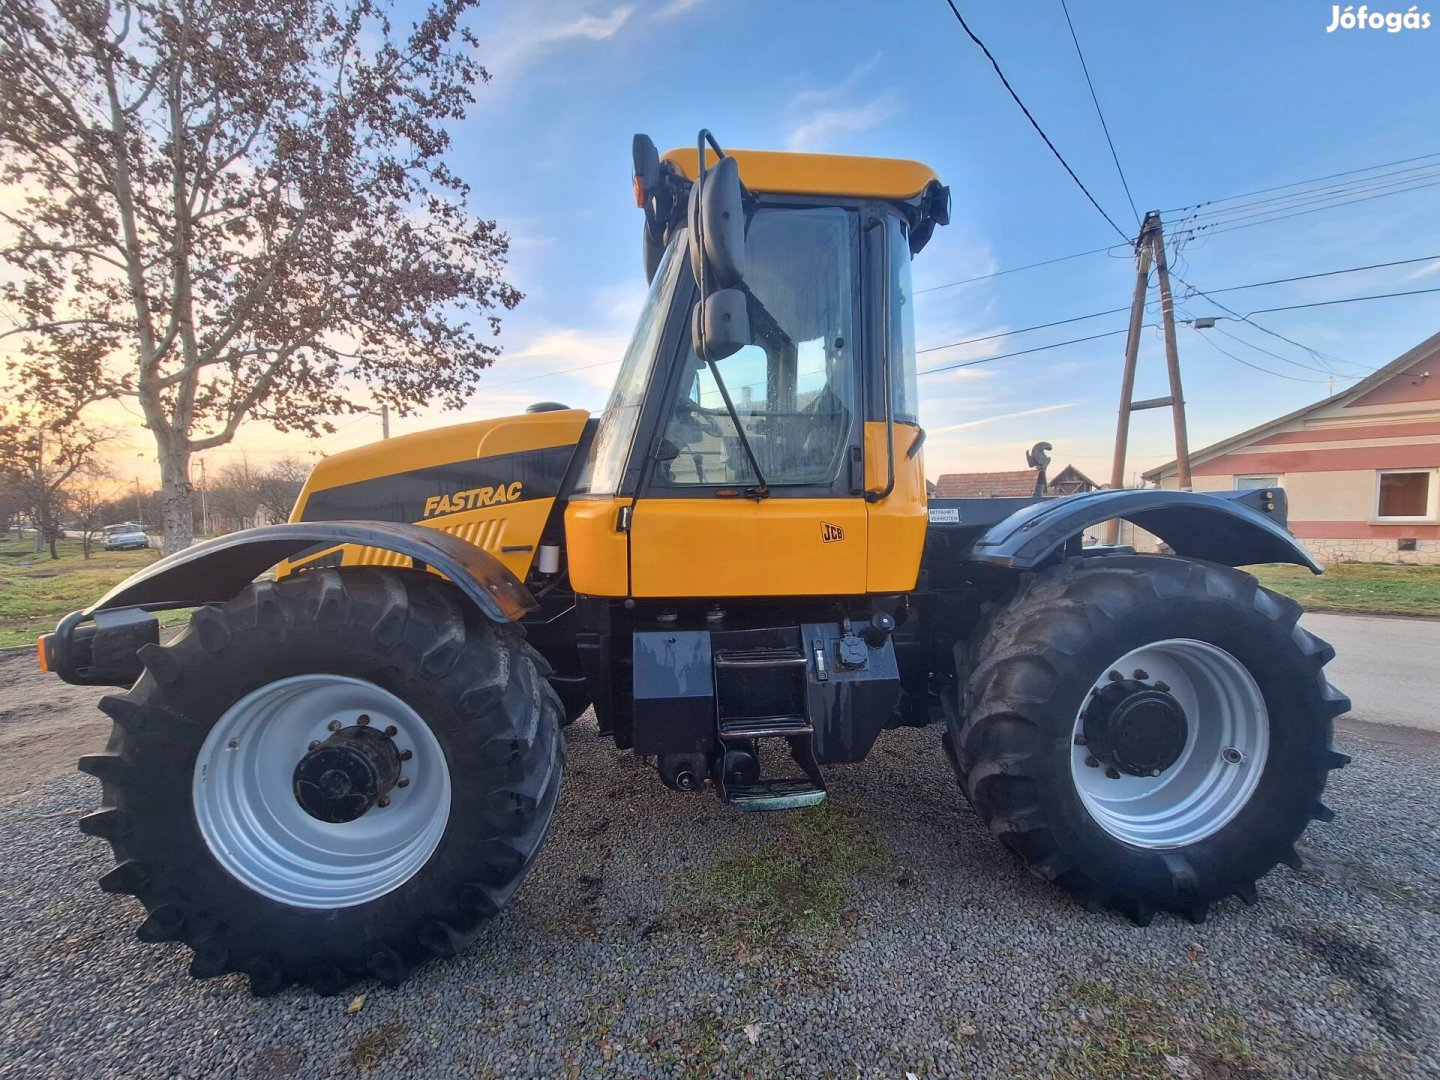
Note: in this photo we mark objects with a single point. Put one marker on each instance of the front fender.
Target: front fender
(218, 569)
(1235, 528)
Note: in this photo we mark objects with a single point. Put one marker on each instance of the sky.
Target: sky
(1203, 100)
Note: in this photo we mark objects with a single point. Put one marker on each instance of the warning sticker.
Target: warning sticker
(945, 515)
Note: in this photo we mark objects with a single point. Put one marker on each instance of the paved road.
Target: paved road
(1389, 667)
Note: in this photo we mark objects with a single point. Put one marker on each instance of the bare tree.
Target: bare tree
(42, 449)
(278, 486)
(240, 209)
(87, 505)
(232, 498)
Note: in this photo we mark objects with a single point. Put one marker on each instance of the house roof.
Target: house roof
(1069, 475)
(980, 485)
(1359, 390)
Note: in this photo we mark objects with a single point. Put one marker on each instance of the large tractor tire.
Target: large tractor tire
(1148, 733)
(335, 776)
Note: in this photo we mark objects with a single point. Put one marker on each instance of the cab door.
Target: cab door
(700, 526)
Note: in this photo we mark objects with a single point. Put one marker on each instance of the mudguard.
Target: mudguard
(1234, 528)
(218, 569)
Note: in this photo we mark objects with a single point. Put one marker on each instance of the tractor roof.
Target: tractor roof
(779, 173)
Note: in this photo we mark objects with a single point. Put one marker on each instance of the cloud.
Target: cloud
(526, 37)
(821, 117)
(999, 417)
(676, 7)
(1425, 271)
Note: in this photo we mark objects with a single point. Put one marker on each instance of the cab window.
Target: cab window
(794, 388)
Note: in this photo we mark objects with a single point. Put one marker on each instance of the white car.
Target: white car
(125, 537)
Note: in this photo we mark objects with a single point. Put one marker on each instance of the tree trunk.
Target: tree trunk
(178, 497)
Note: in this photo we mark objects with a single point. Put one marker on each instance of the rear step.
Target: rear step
(774, 795)
(739, 733)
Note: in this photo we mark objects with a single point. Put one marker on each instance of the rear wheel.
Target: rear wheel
(333, 776)
(1150, 733)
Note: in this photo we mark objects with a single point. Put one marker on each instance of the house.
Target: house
(1361, 469)
(1016, 484)
(1071, 481)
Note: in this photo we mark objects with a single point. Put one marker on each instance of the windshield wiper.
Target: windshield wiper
(761, 489)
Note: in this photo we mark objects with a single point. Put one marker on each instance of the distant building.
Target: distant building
(1016, 484)
(1361, 469)
(1071, 481)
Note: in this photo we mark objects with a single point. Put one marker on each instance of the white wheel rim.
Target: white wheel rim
(248, 814)
(1226, 746)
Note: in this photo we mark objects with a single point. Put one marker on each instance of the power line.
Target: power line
(1022, 330)
(1342, 197)
(1349, 187)
(1300, 183)
(1246, 319)
(1345, 300)
(1327, 273)
(1210, 230)
(1098, 112)
(1033, 123)
(1017, 269)
(1024, 352)
(1257, 367)
(1285, 359)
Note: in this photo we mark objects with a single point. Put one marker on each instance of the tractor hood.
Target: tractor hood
(490, 482)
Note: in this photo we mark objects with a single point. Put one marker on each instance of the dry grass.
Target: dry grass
(1359, 588)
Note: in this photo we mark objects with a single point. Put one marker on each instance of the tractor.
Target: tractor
(341, 768)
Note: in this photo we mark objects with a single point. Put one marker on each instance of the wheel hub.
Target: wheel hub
(1137, 728)
(347, 774)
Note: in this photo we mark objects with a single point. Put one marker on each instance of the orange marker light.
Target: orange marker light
(639, 192)
(40, 649)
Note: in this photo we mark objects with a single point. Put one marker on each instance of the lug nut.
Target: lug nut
(234, 744)
(384, 801)
(1079, 739)
(1141, 674)
(406, 755)
(1092, 762)
(392, 731)
(1164, 688)
(1233, 756)
(1115, 676)
(1113, 773)
(1154, 772)
(334, 725)
(363, 719)
(314, 744)
(404, 781)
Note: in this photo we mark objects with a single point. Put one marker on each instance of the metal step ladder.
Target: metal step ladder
(740, 733)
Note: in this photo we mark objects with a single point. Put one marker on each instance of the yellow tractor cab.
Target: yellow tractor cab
(343, 771)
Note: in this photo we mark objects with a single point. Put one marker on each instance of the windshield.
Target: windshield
(794, 388)
(616, 432)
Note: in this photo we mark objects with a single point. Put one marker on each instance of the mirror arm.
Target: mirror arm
(884, 493)
(762, 489)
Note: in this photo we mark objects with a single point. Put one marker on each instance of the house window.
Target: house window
(1405, 495)
(1251, 483)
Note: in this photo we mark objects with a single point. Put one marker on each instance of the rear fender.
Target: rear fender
(1234, 528)
(217, 570)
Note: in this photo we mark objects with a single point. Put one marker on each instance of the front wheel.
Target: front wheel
(1150, 733)
(335, 776)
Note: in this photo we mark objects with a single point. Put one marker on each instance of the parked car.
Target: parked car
(124, 537)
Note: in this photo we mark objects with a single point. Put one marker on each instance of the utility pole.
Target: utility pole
(204, 509)
(384, 421)
(1150, 247)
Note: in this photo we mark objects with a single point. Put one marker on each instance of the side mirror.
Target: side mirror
(720, 325)
(717, 226)
(653, 196)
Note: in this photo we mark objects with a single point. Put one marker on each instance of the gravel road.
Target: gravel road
(927, 950)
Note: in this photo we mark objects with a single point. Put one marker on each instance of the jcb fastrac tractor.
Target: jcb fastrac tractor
(343, 771)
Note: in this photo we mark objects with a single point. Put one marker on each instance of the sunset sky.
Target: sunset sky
(1203, 101)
